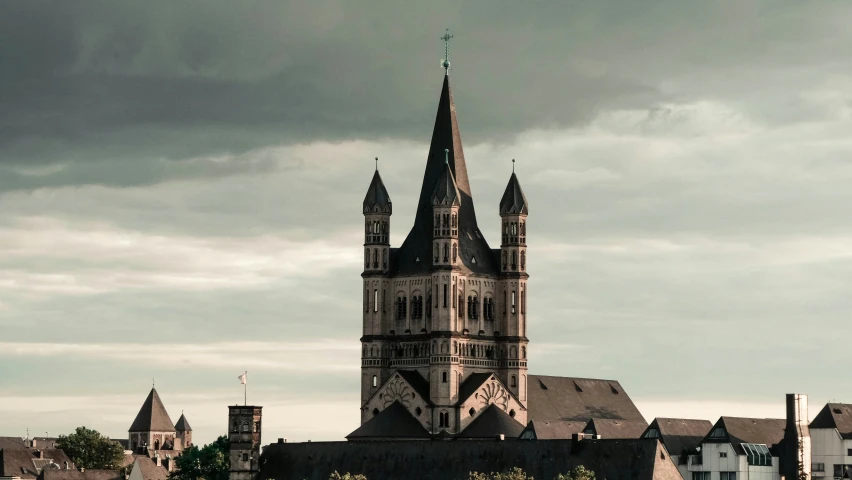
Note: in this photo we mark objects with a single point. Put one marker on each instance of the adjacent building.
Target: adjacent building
(681, 437)
(831, 442)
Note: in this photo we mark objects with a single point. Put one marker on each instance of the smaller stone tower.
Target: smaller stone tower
(244, 439)
(183, 433)
(377, 213)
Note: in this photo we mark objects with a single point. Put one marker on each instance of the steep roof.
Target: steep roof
(377, 198)
(12, 443)
(393, 422)
(418, 383)
(446, 460)
(145, 468)
(555, 429)
(492, 421)
(471, 384)
(418, 243)
(552, 399)
(766, 431)
(617, 428)
(182, 424)
(680, 435)
(835, 415)
(446, 191)
(514, 200)
(29, 462)
(152, 417)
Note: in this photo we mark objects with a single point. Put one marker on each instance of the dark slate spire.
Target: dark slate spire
(446, 191)
(418, 244)
(152, 417)
(182, 425)
(377, 198)
(513, 201)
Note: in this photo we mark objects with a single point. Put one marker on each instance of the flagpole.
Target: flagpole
(245, 389)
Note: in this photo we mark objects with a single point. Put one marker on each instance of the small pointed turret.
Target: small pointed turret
(514, 201)
(446, 191)
(182, 424)
(377, 199)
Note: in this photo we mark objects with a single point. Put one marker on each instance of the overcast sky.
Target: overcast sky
(181, 187)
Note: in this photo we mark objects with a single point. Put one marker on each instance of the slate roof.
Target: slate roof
(551, 399)
(766, 431)
(418, 243)
(27, 464)
(471, 384)
(835, 415)
(393, 422)
(616, 429)
(556, 429)
(377, 198)
(452, 460)
(446, 191)
(12, 443)
(514, 200)
(490, 422)
(182, 424)
(418, 383)
(681, 435)
(152, 417)
(74, 474)
(147, 468)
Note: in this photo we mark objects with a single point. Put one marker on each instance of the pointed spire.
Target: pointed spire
(377, 199)
(152, 417)
(446, 191)
(182, 424)
(514, 201)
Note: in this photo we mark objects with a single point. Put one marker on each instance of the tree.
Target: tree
(346, 476)
(210, 462)
(513, 474)
(579, 473)
(89, 449)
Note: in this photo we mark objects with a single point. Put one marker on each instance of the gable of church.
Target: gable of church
(481, 390)
(405, 387)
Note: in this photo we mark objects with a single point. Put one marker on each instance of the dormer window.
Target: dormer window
(652, 433)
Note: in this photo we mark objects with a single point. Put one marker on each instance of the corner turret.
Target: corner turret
(377, 209)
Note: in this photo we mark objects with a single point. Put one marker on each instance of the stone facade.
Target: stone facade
(244, 437)
(444, 304)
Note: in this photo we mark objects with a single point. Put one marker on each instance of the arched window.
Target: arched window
(256, 427)
(375, 381)
(524, 352)
(366, 258)
(443, 377)
(436, 253)
(375, 258)
(385, 258)
(236, 427)
(513, 301)
(461, 306)
(514, 228)
(474, 306)
(514, 260)
(455, 252)
(446, 220)
(514, 382)
(445, 295)
(504, 259)
(523, 260)
(446, 253)
(375, 300)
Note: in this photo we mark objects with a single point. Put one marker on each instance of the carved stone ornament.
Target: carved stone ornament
(493, 393)
(397, 389)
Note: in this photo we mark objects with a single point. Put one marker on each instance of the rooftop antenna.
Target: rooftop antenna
(446, 63)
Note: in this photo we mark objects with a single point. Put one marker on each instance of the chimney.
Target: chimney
(796, 464)
(40, 453)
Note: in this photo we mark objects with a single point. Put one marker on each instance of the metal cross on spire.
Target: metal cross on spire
(446, 38)
(377, 164)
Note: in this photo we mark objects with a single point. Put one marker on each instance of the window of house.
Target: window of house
(245, 457)
(443, 419)
(818, 467)
(700, 475)
(245, 426)
(849, 452)
(757, 454)
(652, 433)
(718, 432)
(727, 475)
(723, 454)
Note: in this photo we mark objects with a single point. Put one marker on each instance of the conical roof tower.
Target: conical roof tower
(152, 417)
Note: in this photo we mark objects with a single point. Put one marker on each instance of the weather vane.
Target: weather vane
(446, 38)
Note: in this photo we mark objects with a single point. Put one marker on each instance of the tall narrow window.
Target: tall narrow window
(514, 381)
(443, 377)
(513, 301)
(446, 253)
(455, 252)
(375, 300)
(375, 381)
(523, 302)
(366, 258)
(367, 300)
(514, 260)
(445, 295)
(504, 260)
(375, 258)
(523, 260)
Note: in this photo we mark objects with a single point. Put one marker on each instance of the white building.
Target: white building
(739, 449)
(681, 437)
(831, 442)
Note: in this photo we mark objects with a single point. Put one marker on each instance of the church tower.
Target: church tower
(444, 318)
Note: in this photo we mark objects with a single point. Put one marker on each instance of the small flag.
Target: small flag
(243, 379)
